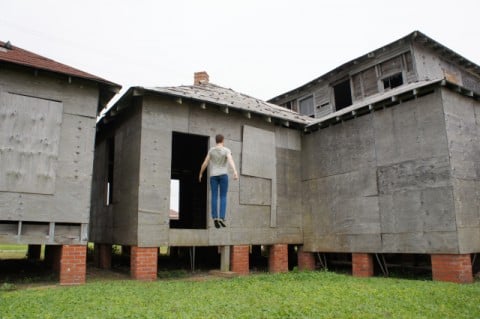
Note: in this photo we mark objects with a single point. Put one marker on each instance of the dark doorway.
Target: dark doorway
(188, 153)
(343, 95)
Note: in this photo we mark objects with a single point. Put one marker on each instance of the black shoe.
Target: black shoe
(217, 224)
(222, 222)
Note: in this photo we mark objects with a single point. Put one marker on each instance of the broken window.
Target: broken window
(110, 163)
(188, 153)
(392, 81)
(291, 105)
(342, 94)
(306, 106)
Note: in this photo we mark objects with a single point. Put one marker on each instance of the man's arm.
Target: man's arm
(232, 164)
(203, 167)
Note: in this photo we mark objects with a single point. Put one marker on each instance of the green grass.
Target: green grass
(293, 295)
(13, 252)
(13, 247)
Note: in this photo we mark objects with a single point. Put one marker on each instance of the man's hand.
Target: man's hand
(235, 175)
(200, 177)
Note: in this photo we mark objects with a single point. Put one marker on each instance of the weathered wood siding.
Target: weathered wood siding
(381, 183)
(431, 65)
(365, 79)
(47, 129)
(462, 117)
(249, 212)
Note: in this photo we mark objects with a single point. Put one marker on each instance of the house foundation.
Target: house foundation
(452, 268)
(278, 258)
(240, 259)
(362, 265)
(73, 264)
(306, 260)
(103, 256)
(144, 263)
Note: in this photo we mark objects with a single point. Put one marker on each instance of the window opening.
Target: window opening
(291, 105)
(306, 106)
(392, 81)
(188, 153)
(342, 94)
(110, 168)
(174, 198)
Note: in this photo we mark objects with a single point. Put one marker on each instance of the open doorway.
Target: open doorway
(190, 196)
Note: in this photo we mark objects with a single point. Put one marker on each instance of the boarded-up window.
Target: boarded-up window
(29, 139)
(357, 86)
(391, 66)
(370, 85)
(259, 160)
(408, 61)
(306, 106)
(258, 152)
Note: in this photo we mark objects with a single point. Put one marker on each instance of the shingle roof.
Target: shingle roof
(19, 56)
(218, 95)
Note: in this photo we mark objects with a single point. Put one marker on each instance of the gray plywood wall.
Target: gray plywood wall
(46, 154)
(249, 212)
(117, 221)
(462, 124)
(381, 183)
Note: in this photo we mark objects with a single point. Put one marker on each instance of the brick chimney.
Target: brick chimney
(200, 78)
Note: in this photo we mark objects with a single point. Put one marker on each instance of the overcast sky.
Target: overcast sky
(261, 48)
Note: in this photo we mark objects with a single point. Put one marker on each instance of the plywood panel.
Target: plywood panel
(258, 154)
(259, 160)
(255, 191)
(29, 139)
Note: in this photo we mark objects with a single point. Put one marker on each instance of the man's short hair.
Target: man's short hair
(219, 138)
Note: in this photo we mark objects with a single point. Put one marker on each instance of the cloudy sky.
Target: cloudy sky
(261, 48)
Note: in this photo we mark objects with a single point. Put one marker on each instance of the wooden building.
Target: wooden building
(379, 156)
(48, 114)
(390, 164)
(153, 136)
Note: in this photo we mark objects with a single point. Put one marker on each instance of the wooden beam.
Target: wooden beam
(203, 106)
(179, 100)
(225, 109)
(51, 232)
(268, 119)
(248, 115)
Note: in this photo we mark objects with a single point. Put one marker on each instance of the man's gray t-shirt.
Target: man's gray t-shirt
(218, 160)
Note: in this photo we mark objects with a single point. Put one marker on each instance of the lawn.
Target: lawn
(293, 295)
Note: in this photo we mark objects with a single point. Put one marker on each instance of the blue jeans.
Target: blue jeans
(217, 183)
